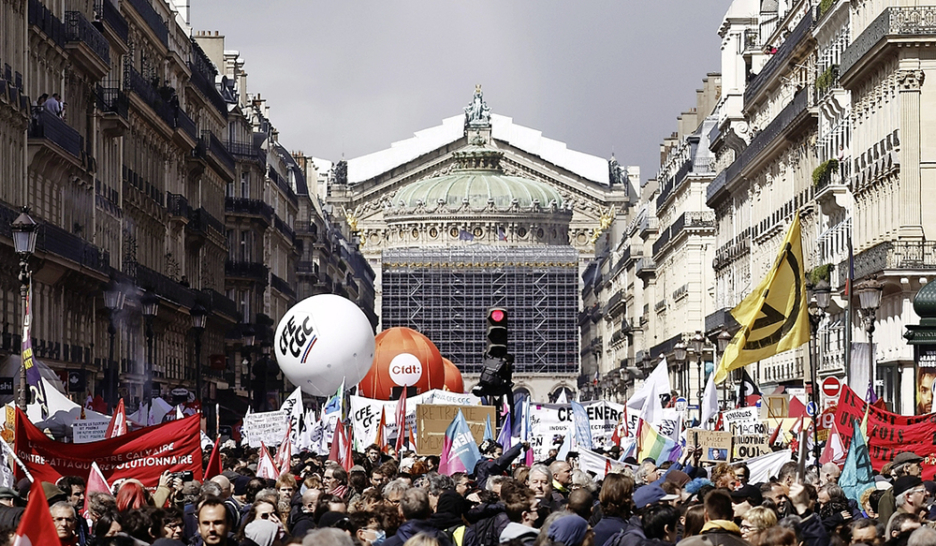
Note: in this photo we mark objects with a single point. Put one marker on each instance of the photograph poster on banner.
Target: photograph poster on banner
(925, 378)
(716, 446)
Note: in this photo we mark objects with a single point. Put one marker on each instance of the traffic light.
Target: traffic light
(496, 377)
(496, 332)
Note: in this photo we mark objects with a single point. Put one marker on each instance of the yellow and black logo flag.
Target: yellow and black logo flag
(774, 316)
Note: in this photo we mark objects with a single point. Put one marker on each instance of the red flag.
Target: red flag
(266, 469)
(401, 421)
(214, 462)
(96, 484)
(381, 441)
(607, 466)
(347, 460)
(118, 424)
(775, 434)
(834, 451)
(626, 424)
(37, 526)
(340, 443)
(412, 440)
(284, 453)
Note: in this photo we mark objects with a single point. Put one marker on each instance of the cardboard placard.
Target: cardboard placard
(716, 445)
(746, 446)
(433, 419)
(778, 406)
(744, 421)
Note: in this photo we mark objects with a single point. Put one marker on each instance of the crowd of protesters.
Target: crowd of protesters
(401, 500)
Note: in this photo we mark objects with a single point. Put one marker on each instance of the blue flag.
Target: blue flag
(582, 427)
(505, 439)
(488, 431)
(856, 475)
(459, 451)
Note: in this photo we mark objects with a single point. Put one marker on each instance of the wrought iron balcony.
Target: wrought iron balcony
(246, 151)
(282, 286)
(217, 302)
(247, 270)
(200, 220)
(147, 12)
(217, 149)
(40, 17)
(284, 228)
(178, 205)
(184, 123)
(79, 29)
(112, 100)
(895, 21)
(108, 15)
(164, 286)
(253, 207)
(779, 59)
(134, 81)
(47, 126)
(283, 185)
(896, 255)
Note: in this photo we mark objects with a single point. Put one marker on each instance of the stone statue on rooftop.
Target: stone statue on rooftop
(477, 114)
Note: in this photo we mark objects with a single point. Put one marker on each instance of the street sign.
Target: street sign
(681, 404)
(831, 387)
(811, 408)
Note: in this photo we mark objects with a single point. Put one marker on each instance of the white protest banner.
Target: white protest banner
(367, 410)
(602, 418)
(84, 431)
(293, 408)
(744, 421)
(589, 461)
(767, 466)
(549, 424)
(268, 427)
(437, 396)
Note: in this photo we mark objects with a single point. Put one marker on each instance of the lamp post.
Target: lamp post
(114, 301)
(199, 318)
(265, 347)
(722, 341)
(25, 233)
(869, 297)
(679, 353)
(697, 342)
(822, 293)
(150, 304)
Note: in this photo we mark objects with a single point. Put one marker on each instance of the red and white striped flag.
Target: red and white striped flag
(118, 424)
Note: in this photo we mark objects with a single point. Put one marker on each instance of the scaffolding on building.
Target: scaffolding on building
(444, 294)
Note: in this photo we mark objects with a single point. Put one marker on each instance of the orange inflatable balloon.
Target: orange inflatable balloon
(453, 377)
(403, 358)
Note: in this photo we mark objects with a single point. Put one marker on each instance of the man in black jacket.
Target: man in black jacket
(414, 507)
(495, 461)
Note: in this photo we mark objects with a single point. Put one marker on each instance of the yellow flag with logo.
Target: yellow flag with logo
(774, 316)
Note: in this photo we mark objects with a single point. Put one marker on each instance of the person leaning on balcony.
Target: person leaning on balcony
(53, 104)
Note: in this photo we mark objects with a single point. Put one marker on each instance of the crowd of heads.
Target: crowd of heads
(402, 500)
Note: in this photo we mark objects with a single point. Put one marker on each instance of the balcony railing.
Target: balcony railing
(178, 205)
(893, 21)
(57, 241)
(164, 286)
(134, 81)
(645, 266)
(79, 29)
(283, 185)
(779, 59)
(243, 205)
(152, 19)
(48, 126)
(248, 270)
(217, 149)
(112, 100)
(185, 123)
(106, 12)
(200, 220)
(895, 255)
(246, 151)
(40, 17)
(284, 228)
(281, 285)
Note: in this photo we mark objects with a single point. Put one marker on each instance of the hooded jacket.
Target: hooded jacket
(716, 532)
(414, 527)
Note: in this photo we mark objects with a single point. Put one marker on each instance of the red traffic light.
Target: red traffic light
(497, 315)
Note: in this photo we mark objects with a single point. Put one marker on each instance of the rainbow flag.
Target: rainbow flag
(653, 445)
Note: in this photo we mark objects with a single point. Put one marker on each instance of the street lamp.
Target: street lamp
(698, 341)
(679, 353)
(869, 297)
(199, 318)
(114, 299)
(25, 232)
(150, 305)
(722, 341)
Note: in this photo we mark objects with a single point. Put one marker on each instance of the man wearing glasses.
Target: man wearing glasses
(910, 496)
(65, 519)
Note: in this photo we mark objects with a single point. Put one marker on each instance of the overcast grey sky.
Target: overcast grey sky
(351, 76)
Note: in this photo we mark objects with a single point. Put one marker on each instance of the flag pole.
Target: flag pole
(19, 463)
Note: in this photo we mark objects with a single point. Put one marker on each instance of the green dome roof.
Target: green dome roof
(479, 179)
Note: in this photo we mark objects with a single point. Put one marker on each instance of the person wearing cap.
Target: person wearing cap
(719, 526)
(10, 513)
(744, 498)
(910, 498)
(905, 463)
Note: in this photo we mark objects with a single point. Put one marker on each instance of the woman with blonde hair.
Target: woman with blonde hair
(755, 522)
(421, 539)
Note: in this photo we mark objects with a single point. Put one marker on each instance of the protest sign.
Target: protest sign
(744, 421)
(433, 419)
(716, 445)
(888, 433)
(268, 427)
(142, 454)
(746, 446)
(84, 431)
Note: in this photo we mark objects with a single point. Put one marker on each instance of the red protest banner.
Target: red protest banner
(888, 433)
(143, 454)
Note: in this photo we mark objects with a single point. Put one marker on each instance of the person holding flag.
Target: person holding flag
(495, 461)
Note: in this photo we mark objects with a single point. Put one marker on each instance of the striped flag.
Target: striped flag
(653, 445)
(504, 439)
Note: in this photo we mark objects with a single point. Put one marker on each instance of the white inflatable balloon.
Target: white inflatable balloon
(323, 340)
